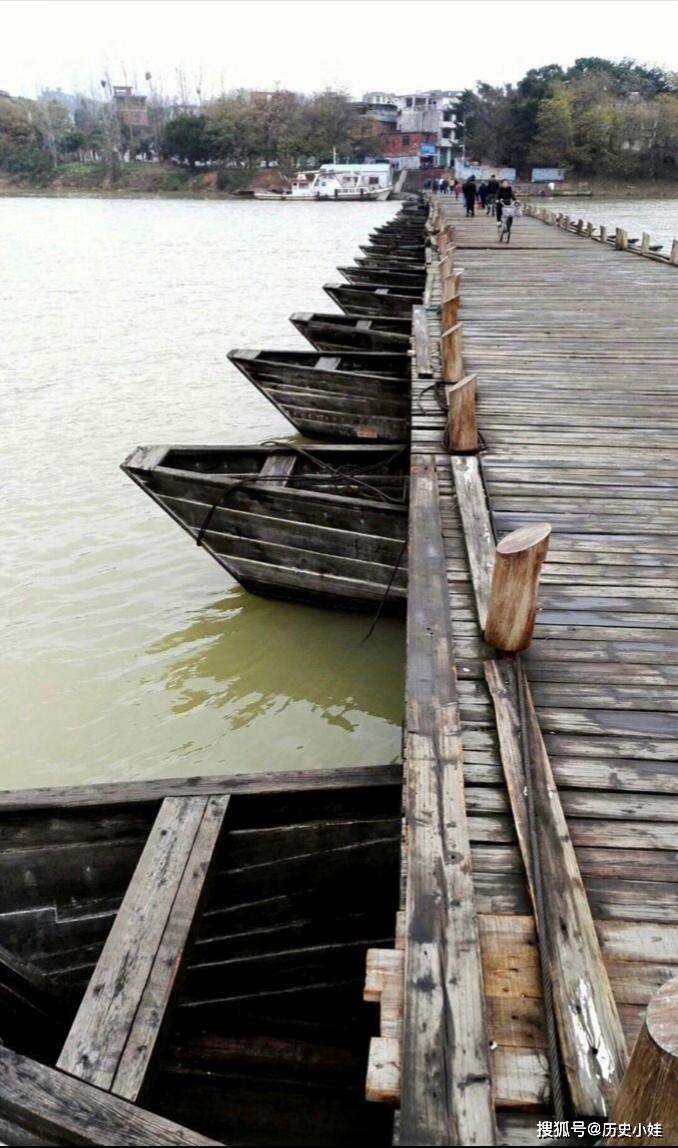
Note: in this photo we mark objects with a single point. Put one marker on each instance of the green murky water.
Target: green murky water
(126, 652)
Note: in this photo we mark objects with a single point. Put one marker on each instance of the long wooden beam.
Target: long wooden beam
(446, 1093)
(592, 1040)
(591, 1035)
(118, 793)
(63, 1110)
(114, 1033)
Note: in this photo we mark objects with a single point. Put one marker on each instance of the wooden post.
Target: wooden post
(621, 239)
(589, 230)
(461, 416)
(442, 241)
(446, 264)
(603, 234)
(649, 1090)
(515, 582)
(645, 243)
(566, 222)
(580, 226)
(673, 257)
(451, 354)
(450, 301)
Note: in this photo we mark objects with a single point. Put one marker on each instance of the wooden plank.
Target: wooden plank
(69, 1111)
(154, 1002)
(477, 527)
(446, 1092)
(278, 468)
(591, 1035)
(120, 793)
(383, 1071)
(422, 345)
(126, 998)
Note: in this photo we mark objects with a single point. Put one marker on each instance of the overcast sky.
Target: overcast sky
(360, 45)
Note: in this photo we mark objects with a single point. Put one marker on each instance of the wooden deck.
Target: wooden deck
(574, 345)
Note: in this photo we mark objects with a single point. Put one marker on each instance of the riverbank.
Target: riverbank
(629, 189)
(169, 181)
(143, 180)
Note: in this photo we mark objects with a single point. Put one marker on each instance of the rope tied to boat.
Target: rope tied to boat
(385, 595)
(341, 475)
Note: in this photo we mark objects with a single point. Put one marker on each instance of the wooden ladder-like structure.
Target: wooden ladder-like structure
(116, 1028)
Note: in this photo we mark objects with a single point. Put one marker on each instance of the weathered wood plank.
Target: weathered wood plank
(56, 1105)
(594, 1048)
(114, 1032)
(477, 527)
(422, 346)
(446, 1090)
(121, 793)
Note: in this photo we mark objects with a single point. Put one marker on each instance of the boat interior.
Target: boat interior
(265, 1037)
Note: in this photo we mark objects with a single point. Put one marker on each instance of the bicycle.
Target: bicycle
(505, 223)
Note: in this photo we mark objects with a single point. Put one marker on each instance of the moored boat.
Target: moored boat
(325, 525)
(406, 251)
(333, 331)
(336, 182)
(345, 396)
(185, 959)
(385, 276)
(373, 299)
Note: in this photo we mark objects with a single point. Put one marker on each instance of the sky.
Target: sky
(358, 45)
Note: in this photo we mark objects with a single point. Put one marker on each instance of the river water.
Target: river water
(127, 653)
(658, 216)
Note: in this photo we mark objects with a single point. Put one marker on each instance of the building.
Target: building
(417, 129)
(463, 169)
(131, 109)
(408, 150)
(381, 107)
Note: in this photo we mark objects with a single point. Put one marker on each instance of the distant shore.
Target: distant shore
(168, 181)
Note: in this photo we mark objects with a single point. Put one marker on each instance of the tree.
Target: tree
(187, 137)
(554, 141)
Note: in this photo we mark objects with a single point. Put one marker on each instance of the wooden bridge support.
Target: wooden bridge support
(515, 582)
(462, 428)
(451, 354)
(649, 1090)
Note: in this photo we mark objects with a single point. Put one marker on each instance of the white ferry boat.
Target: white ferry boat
(344, 181)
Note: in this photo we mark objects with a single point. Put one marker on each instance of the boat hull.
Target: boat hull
(336, 332)
(385, 276)
(366, 299)
(295, 543)
(268, 1013)
(345, 398)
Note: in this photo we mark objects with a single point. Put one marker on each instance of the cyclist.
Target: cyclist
(506, 199)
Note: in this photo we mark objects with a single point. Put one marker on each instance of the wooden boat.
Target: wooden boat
(410, 251)
(348, 396)
(183, 961)
(385, 276)
(373, 299)
(392, 262)
(332, 331)
(324, 525)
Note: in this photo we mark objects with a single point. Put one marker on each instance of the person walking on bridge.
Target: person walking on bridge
(492, 189)
(470, 191)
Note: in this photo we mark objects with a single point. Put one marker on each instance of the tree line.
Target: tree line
(598, 117)
(241, 128)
